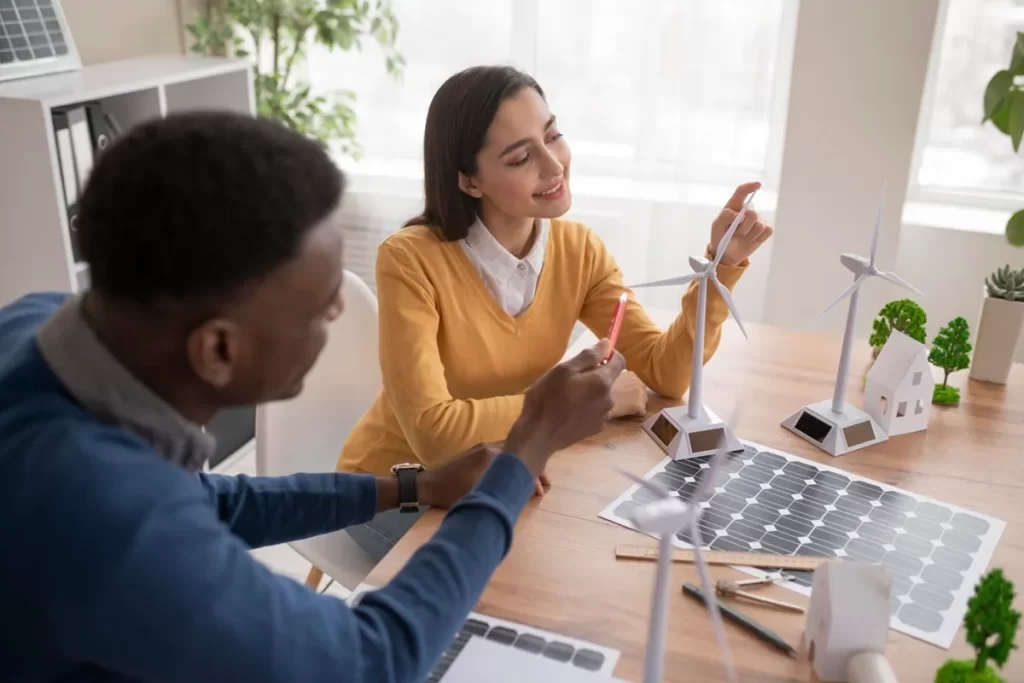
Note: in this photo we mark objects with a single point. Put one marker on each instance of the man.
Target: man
(215, 256)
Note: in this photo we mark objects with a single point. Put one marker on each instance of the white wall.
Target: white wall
(858, 74)
(950, 267)
(107, 30)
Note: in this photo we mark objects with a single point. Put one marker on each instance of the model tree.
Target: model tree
(951, 350)
(903, 315)
(991, 626)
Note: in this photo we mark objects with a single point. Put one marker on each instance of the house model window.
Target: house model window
(885, 405)
(901, 410)
(917, 378)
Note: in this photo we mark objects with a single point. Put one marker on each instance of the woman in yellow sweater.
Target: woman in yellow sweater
(478, 296)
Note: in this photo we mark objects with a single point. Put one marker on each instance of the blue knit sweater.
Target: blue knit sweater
(116, 565)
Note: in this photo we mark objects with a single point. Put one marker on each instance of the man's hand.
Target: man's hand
(443, 486)
(749, 235)
(569, 403)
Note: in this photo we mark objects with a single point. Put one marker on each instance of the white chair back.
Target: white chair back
(306, 433)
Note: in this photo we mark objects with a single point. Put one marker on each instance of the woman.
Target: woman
(478, 296)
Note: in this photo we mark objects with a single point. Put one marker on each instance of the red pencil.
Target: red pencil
(613, 333)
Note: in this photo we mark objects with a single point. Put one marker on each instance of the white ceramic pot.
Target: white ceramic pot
(999, 329)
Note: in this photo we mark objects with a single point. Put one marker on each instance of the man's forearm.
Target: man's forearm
(270, 510)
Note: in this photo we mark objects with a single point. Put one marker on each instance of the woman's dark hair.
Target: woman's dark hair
(457, 122)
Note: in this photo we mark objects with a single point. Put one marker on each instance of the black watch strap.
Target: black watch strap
(408, 498)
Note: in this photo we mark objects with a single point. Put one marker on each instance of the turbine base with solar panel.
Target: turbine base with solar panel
(693, 430)
(770, 501)
(835, 426)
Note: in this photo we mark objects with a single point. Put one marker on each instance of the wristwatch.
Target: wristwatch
(408, 497)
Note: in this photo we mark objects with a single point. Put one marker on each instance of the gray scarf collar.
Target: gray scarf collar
(108, 390)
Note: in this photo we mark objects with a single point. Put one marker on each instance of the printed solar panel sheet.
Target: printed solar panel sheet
(773, 502)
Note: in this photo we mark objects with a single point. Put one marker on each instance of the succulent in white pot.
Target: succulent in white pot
(999, 327)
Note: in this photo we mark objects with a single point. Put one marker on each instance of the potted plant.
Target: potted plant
(999, 326)
(990, 625)
(1003, 105)
(951, 351)
(276, 35)
(903, 315)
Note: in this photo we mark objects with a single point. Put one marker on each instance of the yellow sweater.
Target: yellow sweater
(454, 365)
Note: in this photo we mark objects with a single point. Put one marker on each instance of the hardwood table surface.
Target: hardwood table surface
(562, 574)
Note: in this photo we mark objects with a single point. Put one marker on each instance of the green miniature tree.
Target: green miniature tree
(951, 350)
(903, 315)
(991, 626)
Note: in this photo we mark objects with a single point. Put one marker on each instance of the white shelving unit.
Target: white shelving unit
(35, 242)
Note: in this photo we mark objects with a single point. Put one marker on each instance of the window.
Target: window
(885, 405)
(957, 156)
(901, 409)
(917, 377)
(654, 89)
(919, 408)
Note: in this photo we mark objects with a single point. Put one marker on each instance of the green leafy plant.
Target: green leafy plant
(903, 315)
(951, 350)
(991, 627)
(276, 34)
(1007, 284)
(1003, 105)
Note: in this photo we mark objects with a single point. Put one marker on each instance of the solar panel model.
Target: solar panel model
(35, 39)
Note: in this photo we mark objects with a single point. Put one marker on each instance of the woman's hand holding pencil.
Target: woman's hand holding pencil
(629, 394)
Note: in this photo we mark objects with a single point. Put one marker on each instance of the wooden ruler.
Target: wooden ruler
(741, 559)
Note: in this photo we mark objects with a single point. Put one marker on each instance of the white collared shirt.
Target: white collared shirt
(512, 281)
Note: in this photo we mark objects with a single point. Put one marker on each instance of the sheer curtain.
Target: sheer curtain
(959, 158)
(666, 106)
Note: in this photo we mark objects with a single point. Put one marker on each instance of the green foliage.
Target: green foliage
(962, 671)
(903, 315)
(951, 348)
(279, 33)
(991, 622)
(1003, 105)
(1005, 283)
(1015, 229)
(945, 395)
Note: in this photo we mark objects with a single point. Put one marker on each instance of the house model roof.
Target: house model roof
(896, 359)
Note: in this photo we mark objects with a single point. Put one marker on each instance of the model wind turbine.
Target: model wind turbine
(836, 426)
(664, 517)
(693, 431)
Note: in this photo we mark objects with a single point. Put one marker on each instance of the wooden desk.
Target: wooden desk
(562, 575)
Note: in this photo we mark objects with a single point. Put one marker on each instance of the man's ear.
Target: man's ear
(469, 186)
(214, 350)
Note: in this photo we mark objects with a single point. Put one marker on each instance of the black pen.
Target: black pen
(746, 622)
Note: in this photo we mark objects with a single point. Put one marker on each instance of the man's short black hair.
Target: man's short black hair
(196, 205)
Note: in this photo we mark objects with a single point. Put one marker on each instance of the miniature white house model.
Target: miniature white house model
(898, 392)
(848, 622)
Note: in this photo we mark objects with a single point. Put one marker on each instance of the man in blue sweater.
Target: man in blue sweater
(215, 257)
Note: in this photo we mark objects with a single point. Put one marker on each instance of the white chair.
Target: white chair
(306, 433)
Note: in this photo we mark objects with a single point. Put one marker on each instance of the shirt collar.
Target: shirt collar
(107, 389)
(498, 259)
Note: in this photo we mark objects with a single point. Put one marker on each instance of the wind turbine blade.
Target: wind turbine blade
(712, 603)
(724, 242)
(648, 484)
(897, 280)
(681, 280)
(727, 297)
(848, 292)
(878, 225)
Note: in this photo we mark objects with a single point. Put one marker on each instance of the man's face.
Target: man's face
(273, 333)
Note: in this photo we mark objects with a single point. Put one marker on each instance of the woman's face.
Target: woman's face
(523, 167)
